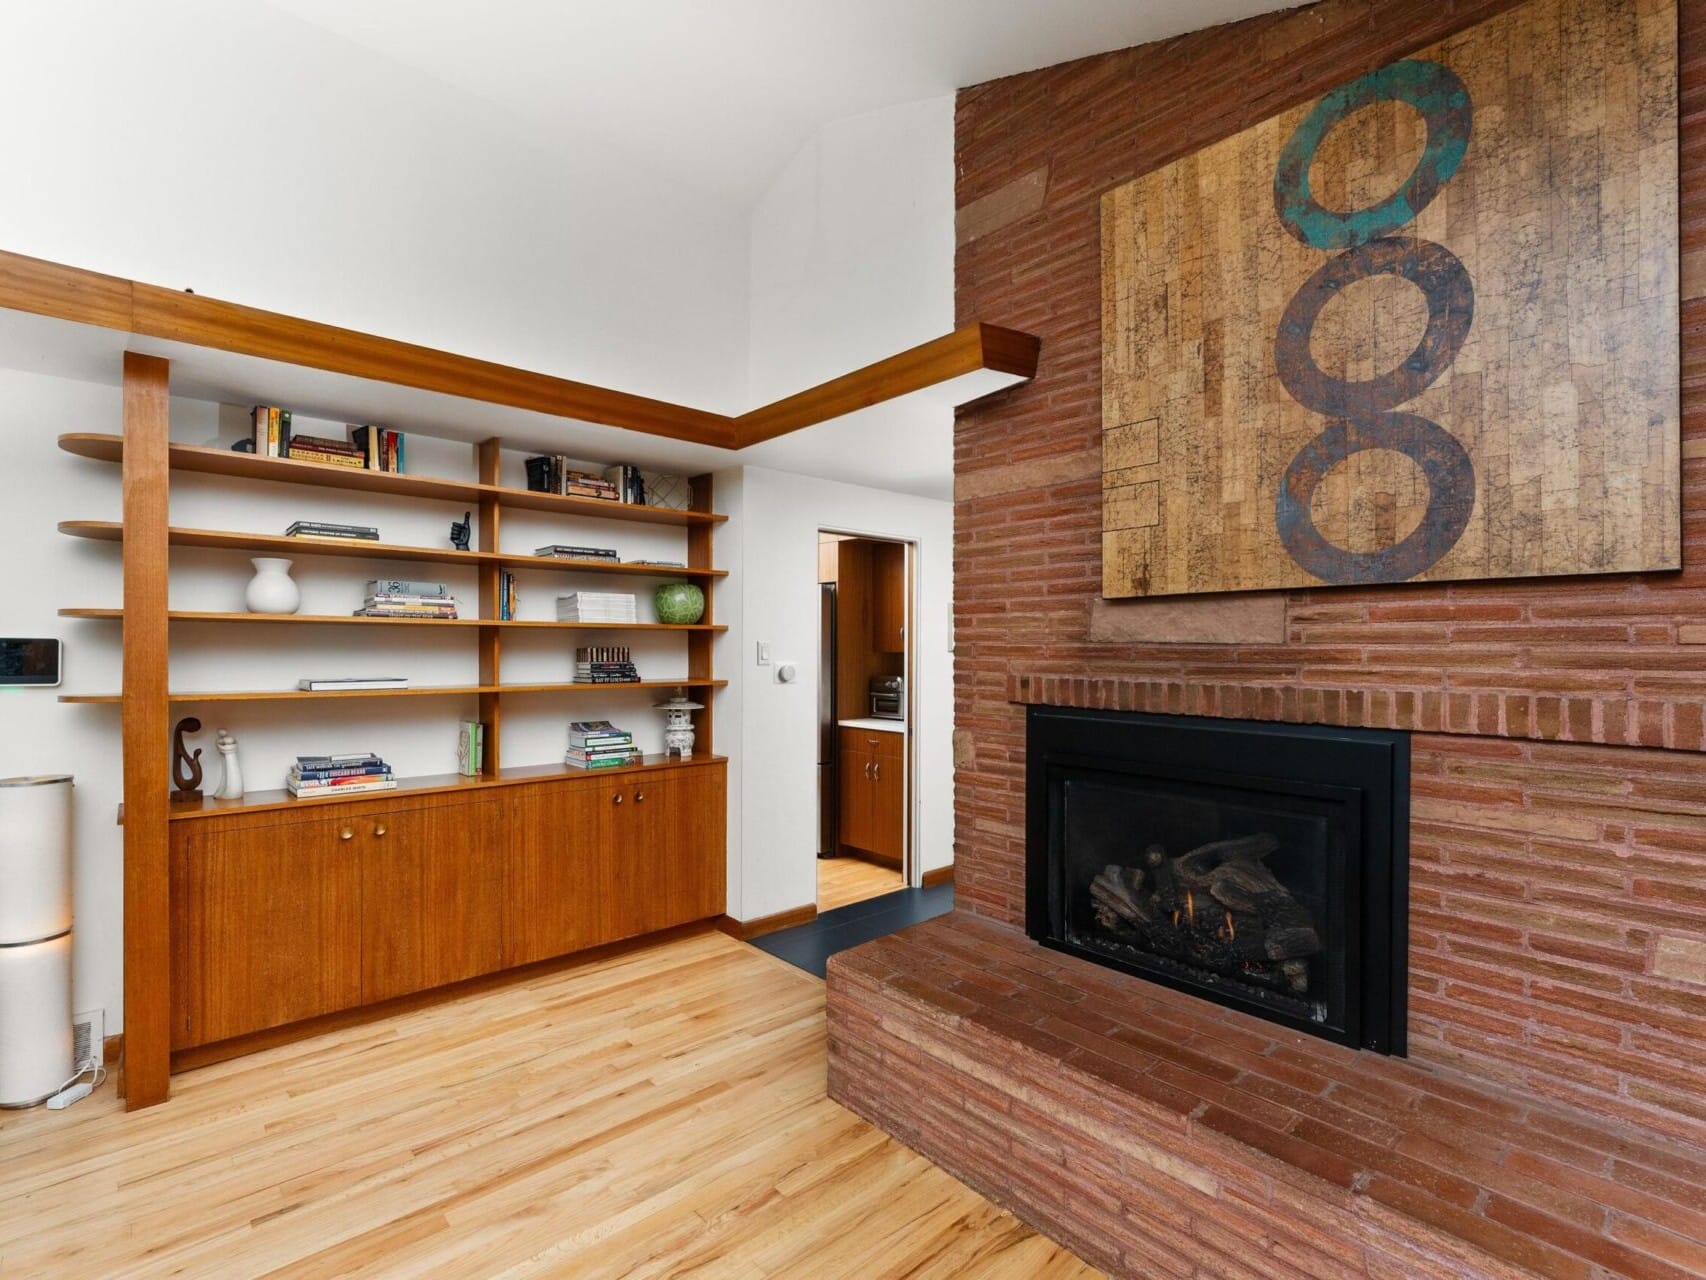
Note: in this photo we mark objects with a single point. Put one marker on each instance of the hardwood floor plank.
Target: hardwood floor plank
(844, 881)
(657, 1113)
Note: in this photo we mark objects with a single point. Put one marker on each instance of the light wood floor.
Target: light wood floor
(841, 881)
(660, 1113)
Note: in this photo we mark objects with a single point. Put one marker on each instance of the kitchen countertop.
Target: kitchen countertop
(874, 722)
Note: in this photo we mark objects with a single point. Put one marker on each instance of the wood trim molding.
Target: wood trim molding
(747, 930)
(111, 302)
(146, 720)
(939, 875)
(967, 349)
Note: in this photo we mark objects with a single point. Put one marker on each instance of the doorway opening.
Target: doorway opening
(865, 718)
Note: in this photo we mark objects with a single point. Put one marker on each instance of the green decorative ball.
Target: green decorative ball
(680, 602)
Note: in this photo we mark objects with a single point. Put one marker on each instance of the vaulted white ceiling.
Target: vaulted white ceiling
(719, 93)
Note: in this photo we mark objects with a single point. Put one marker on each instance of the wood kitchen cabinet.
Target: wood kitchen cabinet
(888, 597)
(873, 793)
(284, 915)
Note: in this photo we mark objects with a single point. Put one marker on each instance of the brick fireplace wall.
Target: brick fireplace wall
(1559, 828)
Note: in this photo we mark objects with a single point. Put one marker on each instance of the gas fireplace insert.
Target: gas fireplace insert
(1263, 866)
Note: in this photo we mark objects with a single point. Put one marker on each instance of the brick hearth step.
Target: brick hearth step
(1159, 1135)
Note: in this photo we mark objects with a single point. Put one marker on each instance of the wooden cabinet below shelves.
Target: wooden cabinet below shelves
(266, 926)
(284, 916)
(873, 794)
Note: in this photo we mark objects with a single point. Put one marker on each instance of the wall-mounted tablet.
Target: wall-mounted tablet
(33, 662)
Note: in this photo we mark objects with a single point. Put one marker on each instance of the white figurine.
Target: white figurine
(231, 785)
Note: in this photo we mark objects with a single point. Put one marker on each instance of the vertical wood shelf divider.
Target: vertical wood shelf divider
(145, 726)
(487, 455)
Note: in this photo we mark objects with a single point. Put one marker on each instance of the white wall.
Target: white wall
(773, 582)
(853, 248)
(852, 259)
(233, 149)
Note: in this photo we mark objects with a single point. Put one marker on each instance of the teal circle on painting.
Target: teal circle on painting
(680, 602)
(1443, 101)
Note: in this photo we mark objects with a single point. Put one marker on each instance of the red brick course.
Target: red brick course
(1158, 1135)
(1559, 843)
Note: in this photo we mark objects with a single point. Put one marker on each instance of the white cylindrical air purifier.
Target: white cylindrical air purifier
(35, 938)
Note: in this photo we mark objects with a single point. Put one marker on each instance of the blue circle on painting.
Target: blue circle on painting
(1443, 101)
(1445, 464)
(1444, 283)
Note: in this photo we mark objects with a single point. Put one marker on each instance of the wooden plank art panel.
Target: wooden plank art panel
(1424, 328)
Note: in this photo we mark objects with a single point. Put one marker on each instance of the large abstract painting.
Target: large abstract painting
(1423, 328)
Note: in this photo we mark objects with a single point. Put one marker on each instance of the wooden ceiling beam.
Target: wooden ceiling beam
(968, 349)
(111, 302)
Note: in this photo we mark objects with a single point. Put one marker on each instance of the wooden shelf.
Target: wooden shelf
(259, 801)
(340, 619)
(353, 548)
(227, 462)
(412, 691)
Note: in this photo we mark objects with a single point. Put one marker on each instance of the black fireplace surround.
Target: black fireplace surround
(1263, 866)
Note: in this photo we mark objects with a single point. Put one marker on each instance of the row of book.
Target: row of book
(598, 744)
(553, 474)
(366, 448)
(597, 606)
(508, 601)
(605, 664)
(339, 775)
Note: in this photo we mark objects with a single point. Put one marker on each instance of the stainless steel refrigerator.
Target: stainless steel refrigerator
(828, 777)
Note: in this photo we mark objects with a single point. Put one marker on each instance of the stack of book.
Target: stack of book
(561, 551)
(596, 606)
(508, 601)
(324, 449)
(401, 598)
(347, 775)
(605, 664)
(320, 529)
(552, 474)
(381, 448)
(271, 428)
(598, 744)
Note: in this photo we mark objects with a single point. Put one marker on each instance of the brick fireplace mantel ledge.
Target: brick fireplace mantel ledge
(1676, 724)
(1158, 1135)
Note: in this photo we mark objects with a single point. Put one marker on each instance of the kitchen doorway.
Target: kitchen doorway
(865, 718)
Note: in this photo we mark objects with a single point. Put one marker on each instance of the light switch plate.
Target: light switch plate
(764, 653)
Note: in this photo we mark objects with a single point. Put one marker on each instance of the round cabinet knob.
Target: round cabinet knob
(616, 799)
(379, 830)
(348, 833)
(639, 796)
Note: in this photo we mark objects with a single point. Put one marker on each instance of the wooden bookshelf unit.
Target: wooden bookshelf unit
(252, 920)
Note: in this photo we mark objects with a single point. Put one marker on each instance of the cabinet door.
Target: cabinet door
(888, 803)
(669, 866)
(855, 797)
(559, 842)
(888, 597)
(432, 897)
(266, 926)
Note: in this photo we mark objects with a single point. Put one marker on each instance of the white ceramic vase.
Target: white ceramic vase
(272, 589)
